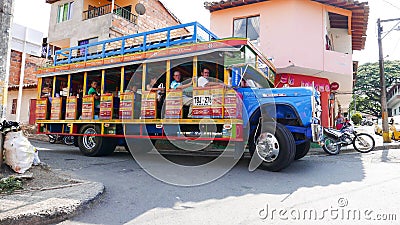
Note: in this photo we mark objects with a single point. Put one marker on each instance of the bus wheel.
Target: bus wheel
(274, 146)
(95, 145)
(302, 150)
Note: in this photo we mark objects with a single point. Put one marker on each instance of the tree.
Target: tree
(367, 87)
(356, 118)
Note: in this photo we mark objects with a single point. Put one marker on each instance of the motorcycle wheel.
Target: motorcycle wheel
(52, 139)
(68, 140)
(363, 143)
(331, 146)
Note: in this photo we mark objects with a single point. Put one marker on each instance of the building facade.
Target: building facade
(26, 46)
(394, 100)
(304, 38)
(79, 22)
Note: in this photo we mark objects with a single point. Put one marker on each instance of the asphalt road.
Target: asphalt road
(329, 188)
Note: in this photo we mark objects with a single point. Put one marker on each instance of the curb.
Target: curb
(55, 205)
(320, 151)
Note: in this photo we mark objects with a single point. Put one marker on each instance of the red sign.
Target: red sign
(334, 86)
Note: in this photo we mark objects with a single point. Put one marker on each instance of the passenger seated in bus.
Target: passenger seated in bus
(93, 91)
(154, 86)
(137, 100)
(159, 87)
(203, 80)
(177, 84)
(133, 89)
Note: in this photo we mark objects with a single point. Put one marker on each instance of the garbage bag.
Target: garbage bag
(18, 151)
(36, 160)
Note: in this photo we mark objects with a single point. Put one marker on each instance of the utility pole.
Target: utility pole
(6, 12)
(385, 125)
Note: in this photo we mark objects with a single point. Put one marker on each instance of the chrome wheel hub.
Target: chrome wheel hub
(267, 147)
(89, 141)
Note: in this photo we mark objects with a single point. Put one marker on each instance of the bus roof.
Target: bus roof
(189, 40)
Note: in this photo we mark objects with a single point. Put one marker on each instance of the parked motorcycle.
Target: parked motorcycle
(366, 122)
(68, 140)
(334, 140)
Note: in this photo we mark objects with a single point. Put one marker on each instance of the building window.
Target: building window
(248, 28)
(65, 12)
(394, 112)
(14, 106)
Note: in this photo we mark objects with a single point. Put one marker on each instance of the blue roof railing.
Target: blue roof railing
(161, 38)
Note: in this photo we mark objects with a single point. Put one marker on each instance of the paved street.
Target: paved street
(344, 182)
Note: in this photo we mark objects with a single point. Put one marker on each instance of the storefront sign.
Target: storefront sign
(334, 86)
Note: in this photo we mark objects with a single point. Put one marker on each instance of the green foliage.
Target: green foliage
(9, 185)
(368, 88)
(356, 118)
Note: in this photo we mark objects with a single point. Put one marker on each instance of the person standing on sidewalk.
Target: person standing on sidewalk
(339, 121)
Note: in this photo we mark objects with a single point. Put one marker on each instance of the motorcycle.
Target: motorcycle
(366, 122)
(334, 140)
(67, 140)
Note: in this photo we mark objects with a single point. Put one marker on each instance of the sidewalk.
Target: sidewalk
(379, 145)
(57, 203)
(50, 205)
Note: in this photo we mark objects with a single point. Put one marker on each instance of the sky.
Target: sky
(36, 13)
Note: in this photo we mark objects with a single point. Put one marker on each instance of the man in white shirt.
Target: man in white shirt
(203, 80)
(177, 84)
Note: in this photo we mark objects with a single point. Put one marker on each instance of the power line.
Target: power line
(395, 47)
(392, 4)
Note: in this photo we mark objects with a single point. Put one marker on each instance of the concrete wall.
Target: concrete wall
(27, 94)
(68, 33)
(341, 40)
(31, 38)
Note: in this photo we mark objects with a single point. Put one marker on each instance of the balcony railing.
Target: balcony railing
(106, 9)
(150, 40)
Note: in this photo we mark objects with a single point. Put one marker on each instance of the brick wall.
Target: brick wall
(156, 16)
(32, 63)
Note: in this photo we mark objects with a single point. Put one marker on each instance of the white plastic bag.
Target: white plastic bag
(19, 152)
(36, 160)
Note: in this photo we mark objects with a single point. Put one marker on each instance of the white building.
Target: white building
(26, 47)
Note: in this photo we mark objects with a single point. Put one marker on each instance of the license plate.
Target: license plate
(202, 100)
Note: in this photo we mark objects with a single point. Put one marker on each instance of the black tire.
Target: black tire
(95, 145)
(76, 142)
(363, 143)
(284, 142)
(302, 150)
(68, 140)
(52, 139)
(330, 146)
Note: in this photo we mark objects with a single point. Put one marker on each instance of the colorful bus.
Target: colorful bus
(179, 84)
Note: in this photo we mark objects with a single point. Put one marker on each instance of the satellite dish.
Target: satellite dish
(140, 9)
